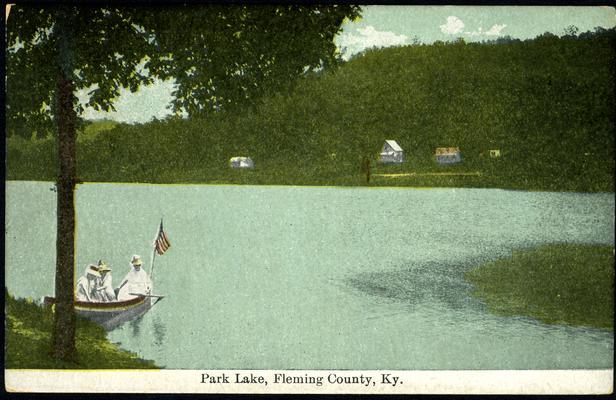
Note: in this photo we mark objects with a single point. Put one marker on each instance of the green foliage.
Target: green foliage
(93, 46)
(28, 333)
(221, 56)
(34, 159)
(92, 129)
(227, 56)
(547, 104)
(558, 284)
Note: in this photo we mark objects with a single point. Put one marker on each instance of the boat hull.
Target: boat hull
(110, 315)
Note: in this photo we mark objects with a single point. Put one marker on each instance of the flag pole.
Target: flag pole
(154, 253)
(152, 265)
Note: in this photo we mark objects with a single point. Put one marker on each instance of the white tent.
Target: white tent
(391, 153)
(241, 162)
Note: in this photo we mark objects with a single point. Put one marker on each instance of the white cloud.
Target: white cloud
(454, 25)
(478, 32)
(495, 29)
(368, 37)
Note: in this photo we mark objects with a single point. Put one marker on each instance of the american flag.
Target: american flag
(161, 243)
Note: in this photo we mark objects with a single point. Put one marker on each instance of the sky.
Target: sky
(383, 26)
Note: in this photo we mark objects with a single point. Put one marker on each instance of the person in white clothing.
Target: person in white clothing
(87, 284)
(105, 287)
(135, 282)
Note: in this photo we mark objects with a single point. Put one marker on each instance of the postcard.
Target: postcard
(216, 198)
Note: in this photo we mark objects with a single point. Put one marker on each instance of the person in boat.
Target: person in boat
(87, 285)
(135, 282)
(105, 286)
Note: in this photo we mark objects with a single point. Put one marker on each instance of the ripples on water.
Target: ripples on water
(319, 278)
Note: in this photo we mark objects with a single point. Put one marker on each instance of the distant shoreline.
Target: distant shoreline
(371, 186)
(520, 118)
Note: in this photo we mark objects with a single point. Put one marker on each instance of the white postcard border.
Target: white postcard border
(351, 382)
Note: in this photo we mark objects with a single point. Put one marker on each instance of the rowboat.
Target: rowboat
(112, 314)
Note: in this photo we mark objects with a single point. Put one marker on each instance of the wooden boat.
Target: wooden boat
(112, 314)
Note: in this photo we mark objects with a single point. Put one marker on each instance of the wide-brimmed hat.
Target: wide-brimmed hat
(93, 270)
(102, 266)
(136, 260)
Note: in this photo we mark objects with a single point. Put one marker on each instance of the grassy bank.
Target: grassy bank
(547, 104)
(28, 336)
(556, 284)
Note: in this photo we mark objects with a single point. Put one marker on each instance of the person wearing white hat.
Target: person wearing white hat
(86, 285)
(105, 287)
(135, 282)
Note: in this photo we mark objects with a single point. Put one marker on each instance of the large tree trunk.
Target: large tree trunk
(64, 321)
(63, 338)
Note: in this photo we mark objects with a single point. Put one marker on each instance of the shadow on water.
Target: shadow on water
(418, 284)
(430, 284)
(159, 332)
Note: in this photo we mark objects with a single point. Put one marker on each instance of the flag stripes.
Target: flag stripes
(161, 243)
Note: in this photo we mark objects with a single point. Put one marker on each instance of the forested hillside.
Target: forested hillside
(547, 104)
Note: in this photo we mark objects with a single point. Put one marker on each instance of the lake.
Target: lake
(267, 277)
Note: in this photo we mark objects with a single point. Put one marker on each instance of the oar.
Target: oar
(156, 296)
(147, 295)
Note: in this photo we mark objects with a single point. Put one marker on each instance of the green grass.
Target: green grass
(555, 284)
(28, 338)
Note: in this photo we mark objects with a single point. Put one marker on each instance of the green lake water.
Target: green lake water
(317, 278)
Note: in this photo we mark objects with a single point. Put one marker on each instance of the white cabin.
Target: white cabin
(391, 153)
(241, 162)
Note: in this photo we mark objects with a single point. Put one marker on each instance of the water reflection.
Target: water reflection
(419, 284)
(159, 331)
(135, 327)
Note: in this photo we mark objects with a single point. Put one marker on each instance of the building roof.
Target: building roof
(395, 146)
(442, 151)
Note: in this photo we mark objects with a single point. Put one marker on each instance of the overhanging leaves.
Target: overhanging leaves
(220, 56)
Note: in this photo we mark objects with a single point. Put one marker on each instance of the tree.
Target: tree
(571, 31)
(227, 57)
(51, 53)
(220, 56)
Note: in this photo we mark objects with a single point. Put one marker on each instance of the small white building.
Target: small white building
(391, 153)
(241, 162)
(495, 153)
(448, 155)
